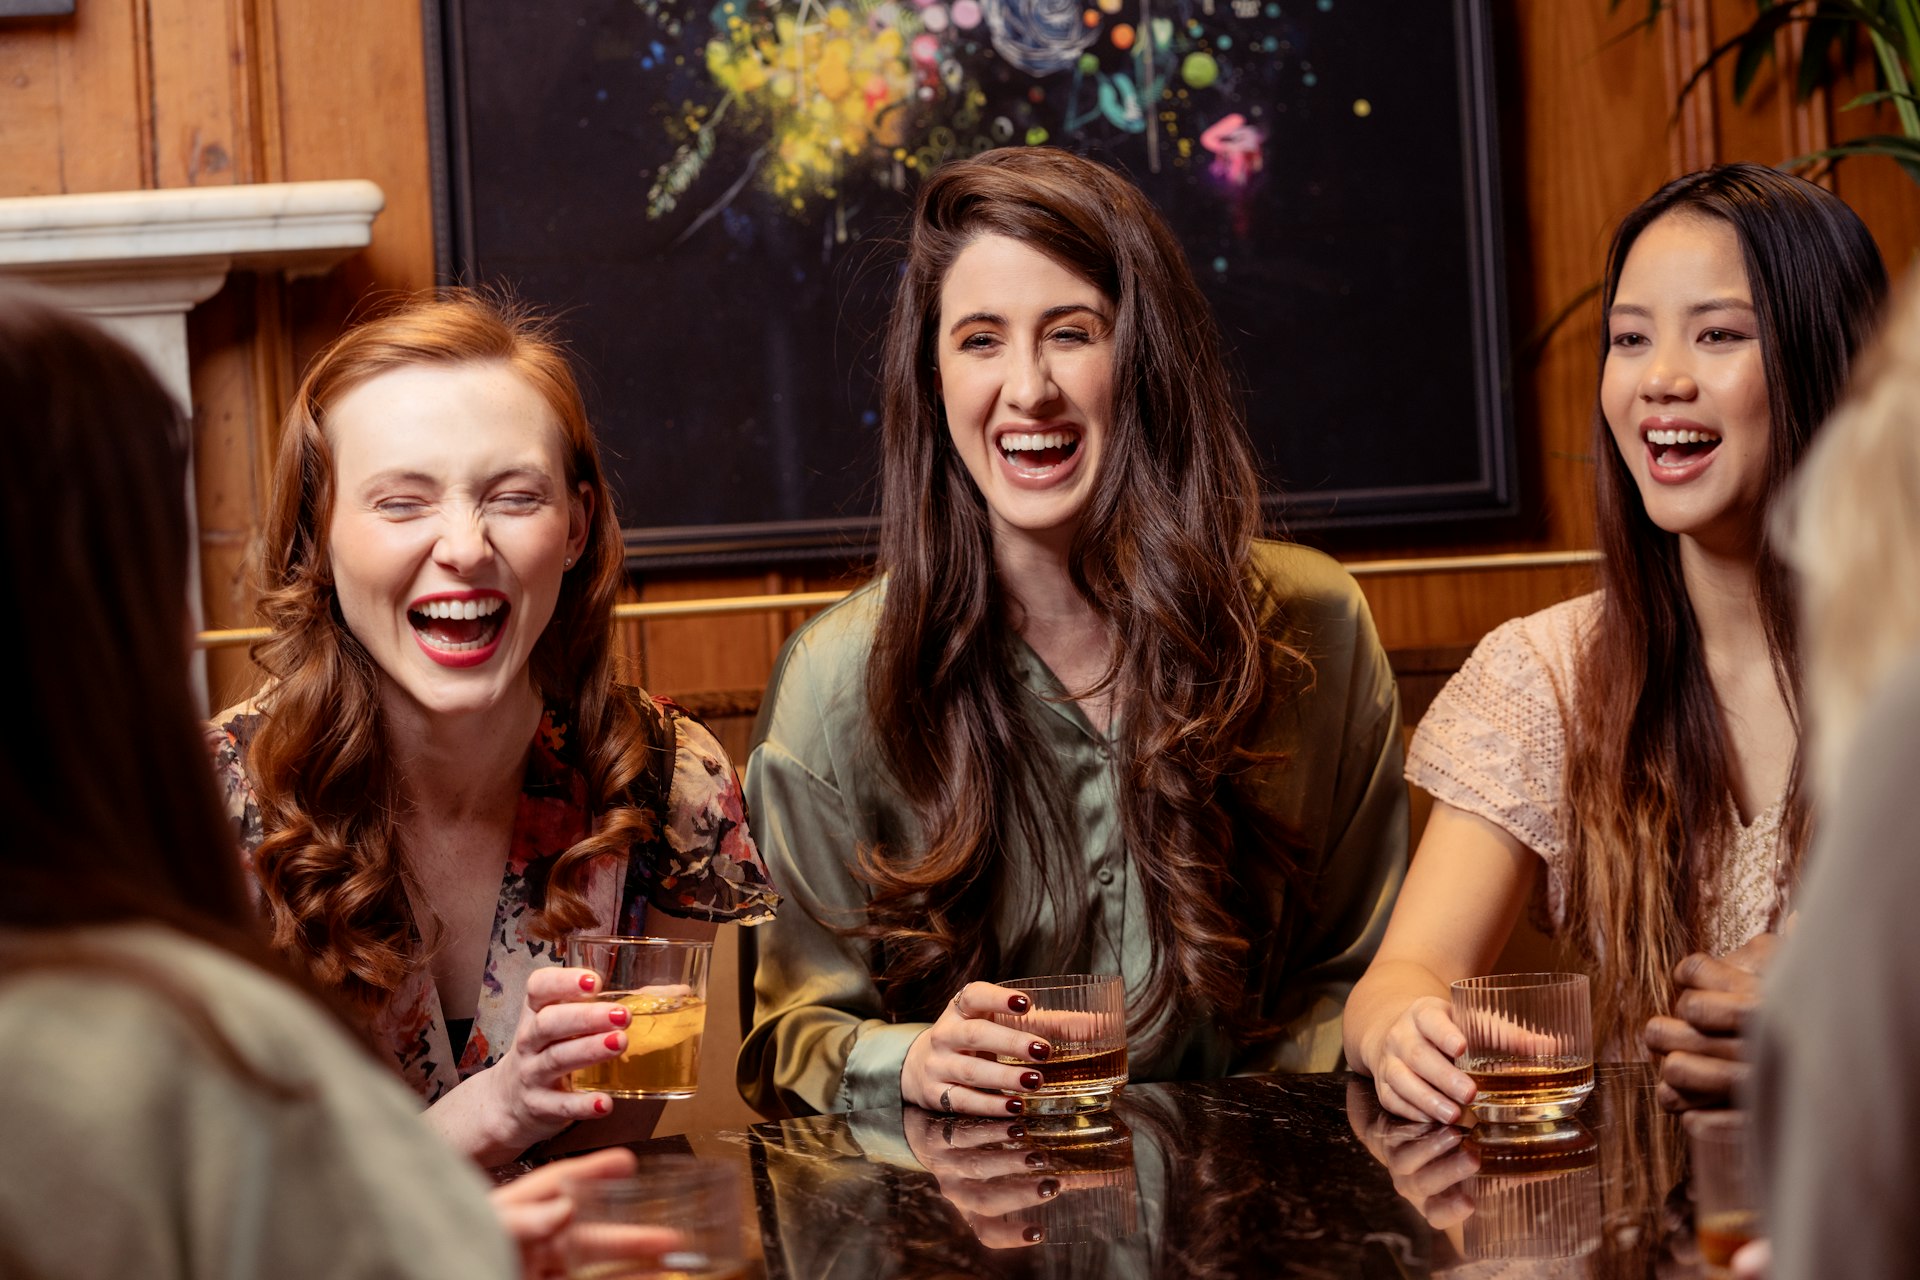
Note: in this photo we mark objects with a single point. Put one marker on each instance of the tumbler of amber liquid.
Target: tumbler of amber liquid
(1529, 1044)
(676, 1218)
(1725, 1206)
(1084, 1017)
(662, 984)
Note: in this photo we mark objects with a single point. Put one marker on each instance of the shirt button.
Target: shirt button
(1105, 876)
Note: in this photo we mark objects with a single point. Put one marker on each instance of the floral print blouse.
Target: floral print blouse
(703, 867)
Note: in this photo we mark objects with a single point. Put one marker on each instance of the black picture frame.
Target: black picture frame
(727, 338)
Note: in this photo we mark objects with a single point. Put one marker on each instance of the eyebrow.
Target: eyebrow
(1051, 313)
(1698, 308)
(422, 478)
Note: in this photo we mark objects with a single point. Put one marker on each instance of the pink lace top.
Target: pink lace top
(1494, 744)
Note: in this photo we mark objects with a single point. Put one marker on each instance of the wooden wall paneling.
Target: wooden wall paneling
(74, 102)
(227, 403)
(350, 80)
(194, 51)
(1686, 37)
(1421, 611)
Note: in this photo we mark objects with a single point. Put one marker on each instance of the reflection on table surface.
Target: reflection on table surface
(1253, 1177)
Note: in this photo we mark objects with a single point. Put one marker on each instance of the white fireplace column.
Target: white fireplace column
(138, 261)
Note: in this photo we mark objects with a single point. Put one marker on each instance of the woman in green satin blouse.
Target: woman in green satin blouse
(1083, 720)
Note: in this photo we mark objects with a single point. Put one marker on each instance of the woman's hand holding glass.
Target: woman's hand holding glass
(952, 1066)
(1413, 1067)
(536, 1208)
(525, 1098)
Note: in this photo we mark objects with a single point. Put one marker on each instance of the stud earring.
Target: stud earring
(569, 563)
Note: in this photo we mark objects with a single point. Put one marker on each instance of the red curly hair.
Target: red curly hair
(330, 864)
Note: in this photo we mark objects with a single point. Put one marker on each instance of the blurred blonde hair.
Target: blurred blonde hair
(1850, 528)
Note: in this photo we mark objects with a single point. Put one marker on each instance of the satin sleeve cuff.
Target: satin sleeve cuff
(872, 1077)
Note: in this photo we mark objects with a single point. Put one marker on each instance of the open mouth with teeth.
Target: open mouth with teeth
(456, 628)
(1037, 452)
(1678, 448)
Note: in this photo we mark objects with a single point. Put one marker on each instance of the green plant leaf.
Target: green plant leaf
(1754, 54)
(1902, 150)
(1880, 95)
(1654, 9)
(1760, 31)
(1817, 69)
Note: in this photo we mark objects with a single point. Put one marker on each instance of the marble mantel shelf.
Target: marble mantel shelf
(297, 227)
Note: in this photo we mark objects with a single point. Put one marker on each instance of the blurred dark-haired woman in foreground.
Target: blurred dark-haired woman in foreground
(172, 1104)
(1085, 721)
(1630, 758)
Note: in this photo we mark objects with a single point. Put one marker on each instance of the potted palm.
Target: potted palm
(1839, 34)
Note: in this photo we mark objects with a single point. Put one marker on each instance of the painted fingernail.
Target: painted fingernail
(1036, 1159)
(1034, 1235)
(615, 1040)
(1039, 1051)
(601, 1106)
(1019, 1004)
(589, 982)
(1015, 1107)
(618, 1016)
(1029, 1079)
(1048, 1188)
(1016, 1131)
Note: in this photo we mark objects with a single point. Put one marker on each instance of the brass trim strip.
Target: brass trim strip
(656, 609)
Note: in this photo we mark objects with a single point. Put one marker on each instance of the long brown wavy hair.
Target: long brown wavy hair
(1649, 771)
(112, 816)
(1162, 553)
(331, 863)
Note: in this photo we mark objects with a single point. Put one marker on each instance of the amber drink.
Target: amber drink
(1084, 1018)
(1725, 1207)
(662, 984)
(1529, 1044)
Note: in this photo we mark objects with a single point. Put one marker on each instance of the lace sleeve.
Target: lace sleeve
(1494, 741)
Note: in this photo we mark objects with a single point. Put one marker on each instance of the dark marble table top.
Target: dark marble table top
(1251, 1177)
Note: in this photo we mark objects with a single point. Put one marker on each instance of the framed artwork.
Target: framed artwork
(708, 191)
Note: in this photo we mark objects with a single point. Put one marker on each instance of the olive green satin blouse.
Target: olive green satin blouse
(821, 1040)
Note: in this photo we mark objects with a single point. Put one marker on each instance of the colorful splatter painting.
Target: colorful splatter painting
(709, 185)
(847, 90)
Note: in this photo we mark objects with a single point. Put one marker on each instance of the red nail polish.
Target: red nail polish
(1029, 1079)
(618, 1016)
(614, 1041)
(588, 983)
(1048, 1188)
(1039, 1051)
(600, 1106)
(1034, 1235)
(1015, 1132)
(1015, 1106)
(1019, 1004)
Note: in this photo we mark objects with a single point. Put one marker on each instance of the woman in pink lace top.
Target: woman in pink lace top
(1630, 759)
